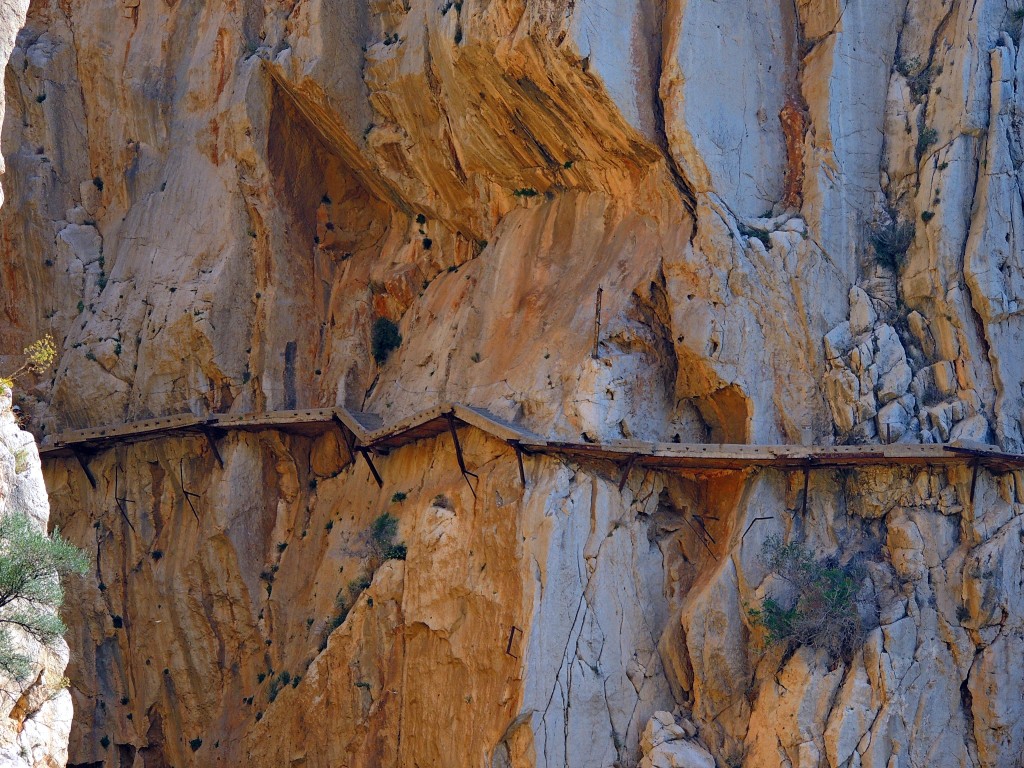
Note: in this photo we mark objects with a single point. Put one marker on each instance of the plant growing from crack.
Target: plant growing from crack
(891, 242)
(822, 610)
(384, 339)
(39, 355)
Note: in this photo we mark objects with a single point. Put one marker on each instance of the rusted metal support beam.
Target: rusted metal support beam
(519, 460)
(807, 481)
(122, 501)
(466, 474)
(187, 493)
(704, 528)
(211, 440)
(700, 538)
(511, 640)
(373, 470)
(83, 462)
(625, 471)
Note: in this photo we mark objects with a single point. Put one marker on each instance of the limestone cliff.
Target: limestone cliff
(35, 715)
(805, 221)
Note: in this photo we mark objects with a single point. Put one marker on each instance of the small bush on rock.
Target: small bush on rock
(382, 534)
(891, 242)
(384, 339)
(822, 611)
(39, 355)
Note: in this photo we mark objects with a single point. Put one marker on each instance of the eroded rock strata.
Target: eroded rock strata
(805, 220)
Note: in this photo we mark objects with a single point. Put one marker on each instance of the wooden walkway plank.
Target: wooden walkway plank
(486, 421)
(371, 434)
(359, 423)
(428, 423)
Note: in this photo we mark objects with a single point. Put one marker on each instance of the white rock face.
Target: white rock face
(35, 718)
(12, 16)
(667, 744)
(725, 133)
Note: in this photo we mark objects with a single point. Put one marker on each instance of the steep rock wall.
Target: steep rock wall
(209, 205)
(35, 715)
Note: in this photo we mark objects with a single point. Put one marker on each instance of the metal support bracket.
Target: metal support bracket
(807, 480)
(625, 471)
(466, 474)
(122, 501)
(704, 528)
(974, 480)
(189, 495)
(373, 470)
(83, 462)
(700, 537)
(511, 640)
(211, 440)
(519, 459)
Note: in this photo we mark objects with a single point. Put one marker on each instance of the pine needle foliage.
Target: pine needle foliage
(31, 564)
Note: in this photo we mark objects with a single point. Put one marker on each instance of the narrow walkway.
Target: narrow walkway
(366, 433)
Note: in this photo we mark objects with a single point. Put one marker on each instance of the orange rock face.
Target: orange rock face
(805, 222)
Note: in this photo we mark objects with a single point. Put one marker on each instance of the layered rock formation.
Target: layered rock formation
(805, 221)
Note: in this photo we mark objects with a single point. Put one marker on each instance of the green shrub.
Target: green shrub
(382, 538)
(358, 584)
(275, 688)
(195, 744)
(384, 338)
(925, 139)
(525, 192)
(891, 242)
(31, 564)
(823, 609)
(756, 232)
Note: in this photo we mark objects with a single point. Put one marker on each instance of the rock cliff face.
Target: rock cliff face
(35, 715)
(805, 223)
